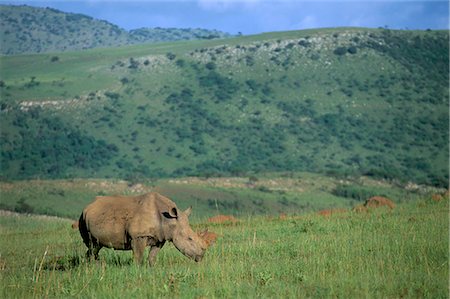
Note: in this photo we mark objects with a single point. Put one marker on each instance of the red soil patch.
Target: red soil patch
(440, 196)
(327, 213)
(208, 237)
(437, 197)
(378, 202)
(222, 219)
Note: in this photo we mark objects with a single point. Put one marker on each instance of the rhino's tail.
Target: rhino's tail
(84, 232)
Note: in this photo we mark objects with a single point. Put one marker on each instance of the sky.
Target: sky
(257, 16)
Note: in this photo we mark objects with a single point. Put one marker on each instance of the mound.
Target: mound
(440, 196)
(379, 201)
(222, 219)
(208, 237)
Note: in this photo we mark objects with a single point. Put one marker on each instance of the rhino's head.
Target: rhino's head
(182, 235)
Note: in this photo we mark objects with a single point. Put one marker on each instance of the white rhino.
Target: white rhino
(135, 222)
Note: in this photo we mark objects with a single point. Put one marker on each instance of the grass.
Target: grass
(265, 194)
(381, 254)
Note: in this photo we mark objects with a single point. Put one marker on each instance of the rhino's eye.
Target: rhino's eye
(190, 239)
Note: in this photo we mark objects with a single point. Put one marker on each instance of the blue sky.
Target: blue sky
(256, 16)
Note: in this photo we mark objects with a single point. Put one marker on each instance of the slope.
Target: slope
(346, 101)
(27, 29)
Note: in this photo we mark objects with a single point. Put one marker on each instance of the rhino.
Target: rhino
(135, 222)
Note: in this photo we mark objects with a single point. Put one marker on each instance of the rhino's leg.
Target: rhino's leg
(153, 251)
(93, 252)
(138, 246)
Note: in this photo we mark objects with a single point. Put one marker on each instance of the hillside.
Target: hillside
(349, 101)
(27, 29)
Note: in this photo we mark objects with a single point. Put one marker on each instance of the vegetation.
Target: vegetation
(272, 102)
(28, 29)
(294, 193)
(403, 253)
(269, 128)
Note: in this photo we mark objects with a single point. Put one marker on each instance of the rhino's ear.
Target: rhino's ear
(171, 214)
(188, 211)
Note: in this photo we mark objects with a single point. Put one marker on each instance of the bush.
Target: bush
(112, 95)
(171, 56)
(304, 43)
(340, 51)
(180, 63)
(356, 192)
(23, 207)
(210, 66)
(352, 50)
(134, 64)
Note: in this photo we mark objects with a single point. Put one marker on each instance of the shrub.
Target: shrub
(340, 51)
(354, 192)
(249, 61)
(210, 66)
(171, 56)
(304, 43)
(352, 50)
(23, 207)
(134, 64)
(112, 95)
(180, 63)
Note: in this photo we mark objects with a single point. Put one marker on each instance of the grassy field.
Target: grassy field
(381, 254)
(296, 193)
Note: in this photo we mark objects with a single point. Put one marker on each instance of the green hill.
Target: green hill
(27, 29)
(347, 101)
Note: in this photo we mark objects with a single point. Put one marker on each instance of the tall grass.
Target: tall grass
(380, 254)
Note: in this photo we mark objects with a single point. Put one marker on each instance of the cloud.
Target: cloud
(307, 22)
(225, 5)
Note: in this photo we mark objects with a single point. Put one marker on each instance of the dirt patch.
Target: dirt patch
(378, 202)
(222, 219)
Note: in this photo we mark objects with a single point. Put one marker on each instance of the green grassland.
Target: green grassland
(295, 193)
(381, 254)
(348, 101)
